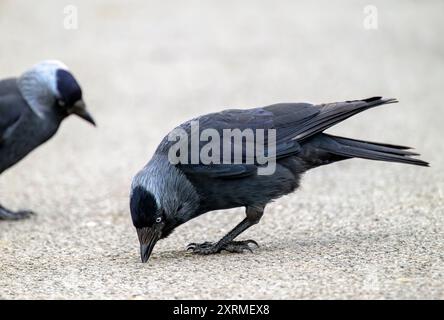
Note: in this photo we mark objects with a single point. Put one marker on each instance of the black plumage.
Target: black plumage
(183, 191)
(21, 130)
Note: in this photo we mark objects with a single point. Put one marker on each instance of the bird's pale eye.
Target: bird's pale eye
(159, 219)
(61, 103)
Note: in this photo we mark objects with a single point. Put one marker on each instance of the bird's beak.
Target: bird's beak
(79, 109)
(148, 238)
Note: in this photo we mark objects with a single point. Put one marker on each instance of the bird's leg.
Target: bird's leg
(6, 214)
(227, 243)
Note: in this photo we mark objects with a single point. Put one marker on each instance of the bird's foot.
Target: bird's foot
(207, 248)
(6, 214)
(204, 248)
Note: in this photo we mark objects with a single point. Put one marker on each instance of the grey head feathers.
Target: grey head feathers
(169, 187)
(38, 86)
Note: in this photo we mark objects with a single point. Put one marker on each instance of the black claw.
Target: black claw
(26, 213)
(191, 245)
(211, 248)
(6, 214)
(253, 242)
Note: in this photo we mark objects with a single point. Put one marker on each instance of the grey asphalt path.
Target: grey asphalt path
(356, 229)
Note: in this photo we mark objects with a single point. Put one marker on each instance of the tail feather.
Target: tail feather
(374, 146)
(394, 146)
(333, 113)
(332, 148)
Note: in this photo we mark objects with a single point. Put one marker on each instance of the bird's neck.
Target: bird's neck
(37, 94)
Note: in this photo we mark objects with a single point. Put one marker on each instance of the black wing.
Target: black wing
(9, 115)
(258, 118)
(11, 106)
(293, 122)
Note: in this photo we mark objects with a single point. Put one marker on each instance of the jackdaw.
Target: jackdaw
(166, 194)
(32, 107)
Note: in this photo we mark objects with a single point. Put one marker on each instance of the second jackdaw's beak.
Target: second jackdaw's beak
(79, 109)
(148, 238)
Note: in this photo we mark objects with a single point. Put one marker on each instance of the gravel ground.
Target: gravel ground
(356, 229)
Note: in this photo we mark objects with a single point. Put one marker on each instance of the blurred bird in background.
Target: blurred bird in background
(32, 107)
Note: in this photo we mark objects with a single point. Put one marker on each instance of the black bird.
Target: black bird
(165, 194)
(32, 107)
